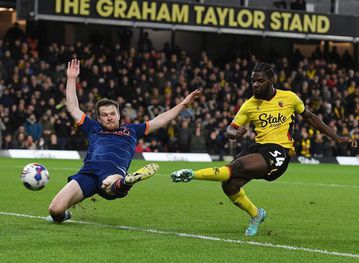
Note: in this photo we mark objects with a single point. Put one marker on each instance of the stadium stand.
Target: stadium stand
(146, 82)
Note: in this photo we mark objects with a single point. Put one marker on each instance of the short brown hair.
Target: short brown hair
(105, 102)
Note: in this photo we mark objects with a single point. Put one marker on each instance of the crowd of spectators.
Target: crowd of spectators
(293, 5)
(146, 82)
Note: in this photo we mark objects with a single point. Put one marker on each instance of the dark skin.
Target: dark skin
(254, 166)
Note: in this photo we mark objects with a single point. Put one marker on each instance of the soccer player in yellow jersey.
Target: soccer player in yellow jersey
(272, 113)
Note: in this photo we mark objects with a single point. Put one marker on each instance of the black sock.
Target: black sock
(58, 218)
(121, 186)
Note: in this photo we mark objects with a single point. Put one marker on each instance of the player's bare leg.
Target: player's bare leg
(108, 183)
(70, 195)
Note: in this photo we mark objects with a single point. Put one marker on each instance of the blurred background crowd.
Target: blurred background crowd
(146, 82)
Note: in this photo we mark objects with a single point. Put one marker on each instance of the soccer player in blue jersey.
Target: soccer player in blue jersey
(110, 151)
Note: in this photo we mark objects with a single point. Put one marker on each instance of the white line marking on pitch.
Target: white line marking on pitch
(326, 185)
(252, 243)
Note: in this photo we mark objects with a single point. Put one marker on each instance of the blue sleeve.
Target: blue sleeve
(140, 129)
(88, 126)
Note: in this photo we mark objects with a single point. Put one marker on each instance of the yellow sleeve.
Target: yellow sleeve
(241, 117)
(298, 104)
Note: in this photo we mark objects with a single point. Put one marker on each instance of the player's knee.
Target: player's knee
(56, 209)
(237, 167)
(230, 187)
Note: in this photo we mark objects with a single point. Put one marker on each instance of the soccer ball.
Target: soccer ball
(34, 176)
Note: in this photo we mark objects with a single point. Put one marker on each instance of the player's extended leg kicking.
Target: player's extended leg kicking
(114, 186)
(254, 163)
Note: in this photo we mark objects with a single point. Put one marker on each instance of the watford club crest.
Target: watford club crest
(281, 104)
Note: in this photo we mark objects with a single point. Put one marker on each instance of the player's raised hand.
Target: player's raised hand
(73, 68)
(191, 97)
(352, 142)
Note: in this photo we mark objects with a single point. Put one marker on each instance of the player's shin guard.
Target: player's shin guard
(241, 200)
(213, 174)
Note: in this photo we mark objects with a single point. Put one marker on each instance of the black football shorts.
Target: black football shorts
(276, 156)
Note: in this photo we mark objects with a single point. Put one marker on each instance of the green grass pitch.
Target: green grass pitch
(312, 217)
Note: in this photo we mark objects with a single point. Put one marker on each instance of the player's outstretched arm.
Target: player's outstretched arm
(72, 103)
(162, 119)
(319, 125)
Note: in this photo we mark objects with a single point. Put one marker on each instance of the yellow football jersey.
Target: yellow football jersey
(273, 119)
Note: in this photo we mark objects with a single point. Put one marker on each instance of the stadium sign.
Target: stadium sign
(305, 160)
(176, 157)
(42, 154)
(193, 17)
